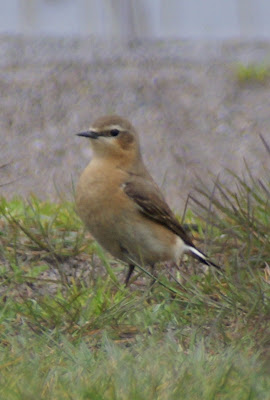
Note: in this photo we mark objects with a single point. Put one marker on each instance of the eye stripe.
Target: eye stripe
(112, 127)
(107, 128)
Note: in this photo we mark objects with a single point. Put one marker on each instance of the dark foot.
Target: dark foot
(130, 272)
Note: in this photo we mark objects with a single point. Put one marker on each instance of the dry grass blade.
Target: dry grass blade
(265, 143)
(243, 211)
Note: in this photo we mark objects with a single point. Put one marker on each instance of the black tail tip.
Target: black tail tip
(198, 254)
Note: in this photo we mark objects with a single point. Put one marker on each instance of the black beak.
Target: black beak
(88, 134)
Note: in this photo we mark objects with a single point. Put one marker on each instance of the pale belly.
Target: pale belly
(116, 223)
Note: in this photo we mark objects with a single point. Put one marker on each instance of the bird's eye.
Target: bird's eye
(114, 132)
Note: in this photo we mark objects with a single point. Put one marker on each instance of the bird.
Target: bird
(122, 206)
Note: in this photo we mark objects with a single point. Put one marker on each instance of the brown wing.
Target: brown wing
(152, 204)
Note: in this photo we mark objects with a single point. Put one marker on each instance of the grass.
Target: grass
(252, 73)
(69, 329)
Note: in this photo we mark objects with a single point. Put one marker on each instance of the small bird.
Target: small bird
(122, 206)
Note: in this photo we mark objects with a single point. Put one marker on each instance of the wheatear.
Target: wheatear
(122, 206)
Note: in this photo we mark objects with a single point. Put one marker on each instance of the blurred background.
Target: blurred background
(192, 75)
(138, 18)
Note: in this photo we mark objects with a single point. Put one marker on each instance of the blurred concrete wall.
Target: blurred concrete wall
(138, 18)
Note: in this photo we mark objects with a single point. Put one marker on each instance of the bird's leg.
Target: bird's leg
(130, 272)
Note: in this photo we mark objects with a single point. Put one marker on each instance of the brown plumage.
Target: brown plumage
(121, 204)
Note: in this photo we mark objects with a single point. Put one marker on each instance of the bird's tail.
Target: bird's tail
(201, 257)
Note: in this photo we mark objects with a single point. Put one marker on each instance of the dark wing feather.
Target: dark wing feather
(152, 204)
(146, 194)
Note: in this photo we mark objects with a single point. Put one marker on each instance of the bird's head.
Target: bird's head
(114, 137)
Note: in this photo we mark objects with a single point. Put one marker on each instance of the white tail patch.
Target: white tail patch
(203, 258)
(195, 251)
